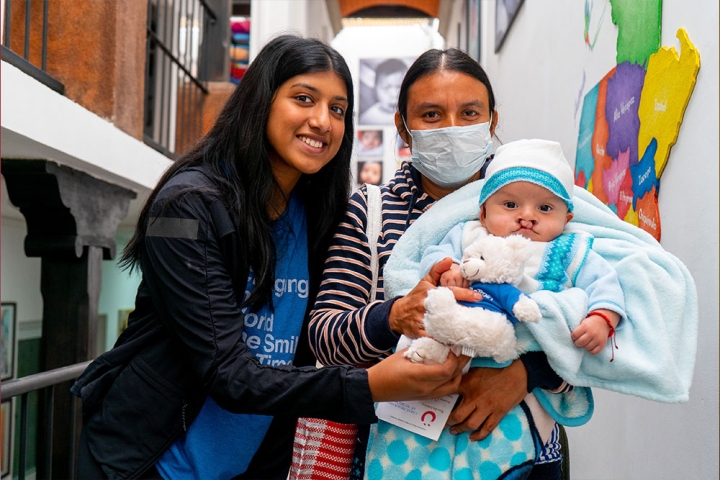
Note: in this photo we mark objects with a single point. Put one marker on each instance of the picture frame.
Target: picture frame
(370, 171)
(369, 143)
(403, 149)
(9, 339)
(473, 29)
(379, 84)
(6, 426)
(123, 315)
(505, 13)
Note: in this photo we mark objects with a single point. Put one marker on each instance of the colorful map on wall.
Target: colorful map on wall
(632, 117)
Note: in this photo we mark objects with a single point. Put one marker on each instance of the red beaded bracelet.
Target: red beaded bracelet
(611, 335)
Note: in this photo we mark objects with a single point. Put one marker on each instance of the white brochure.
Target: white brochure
(424, 417)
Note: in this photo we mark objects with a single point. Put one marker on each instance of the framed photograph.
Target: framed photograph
(369, 143)
(123, 315)
(473, 26)
(370, 171)
(505, 13)
(380, 80)
(7, 437)
(403, 149)
(9, 336)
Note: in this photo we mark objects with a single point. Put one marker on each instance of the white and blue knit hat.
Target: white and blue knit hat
(536, 161)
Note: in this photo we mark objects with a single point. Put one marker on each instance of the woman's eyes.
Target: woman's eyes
(308, 99)
(468, 114)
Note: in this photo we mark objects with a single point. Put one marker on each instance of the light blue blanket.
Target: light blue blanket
(656, 343)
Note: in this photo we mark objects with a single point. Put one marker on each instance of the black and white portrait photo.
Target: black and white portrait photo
(505, 12)
(380, 80)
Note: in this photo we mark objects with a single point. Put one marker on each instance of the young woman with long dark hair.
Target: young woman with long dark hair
(205, 381)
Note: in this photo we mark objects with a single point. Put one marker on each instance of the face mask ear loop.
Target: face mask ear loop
(406, 128)
(491, 126)
(405, 125)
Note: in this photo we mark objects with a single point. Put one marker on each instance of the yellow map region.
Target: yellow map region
(669, 82)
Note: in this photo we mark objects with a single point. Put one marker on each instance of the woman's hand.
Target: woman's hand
(488, 394)
(406, 314)
(396, 378)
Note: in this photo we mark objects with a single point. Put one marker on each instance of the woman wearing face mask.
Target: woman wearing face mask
(446, 114)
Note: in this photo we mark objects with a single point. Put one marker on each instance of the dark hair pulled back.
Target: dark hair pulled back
(436, 60)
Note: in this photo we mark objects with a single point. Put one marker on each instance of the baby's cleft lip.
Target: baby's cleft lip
(528, 233)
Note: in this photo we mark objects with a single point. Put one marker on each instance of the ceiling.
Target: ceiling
(389, 9)
(385, 12)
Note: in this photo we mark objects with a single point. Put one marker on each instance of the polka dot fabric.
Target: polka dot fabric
(509, 452)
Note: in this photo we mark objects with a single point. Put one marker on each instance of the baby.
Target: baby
(528, 191)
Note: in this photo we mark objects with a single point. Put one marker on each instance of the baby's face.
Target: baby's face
(387, 89)
(525, 208)
(371, 173)
(371, 139)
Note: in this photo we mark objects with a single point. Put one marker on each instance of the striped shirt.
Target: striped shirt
(344, 327)
(552, 451)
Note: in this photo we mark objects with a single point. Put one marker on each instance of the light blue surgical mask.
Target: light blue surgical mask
(450, 156)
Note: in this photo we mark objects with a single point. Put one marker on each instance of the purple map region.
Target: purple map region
(621, 110)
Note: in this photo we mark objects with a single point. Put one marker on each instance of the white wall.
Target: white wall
(20, 275)
(457, 30)
(538, 79)
(270, 18)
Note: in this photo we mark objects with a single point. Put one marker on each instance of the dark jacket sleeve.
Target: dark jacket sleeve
(190, 281)
(539, 372)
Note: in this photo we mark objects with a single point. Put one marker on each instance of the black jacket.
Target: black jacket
(183, 342)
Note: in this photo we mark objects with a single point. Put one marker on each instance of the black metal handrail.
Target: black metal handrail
(22, 60)
(175, 73)
(22, 387)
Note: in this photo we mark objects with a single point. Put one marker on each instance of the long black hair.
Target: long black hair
(234, 153)
(436, 60)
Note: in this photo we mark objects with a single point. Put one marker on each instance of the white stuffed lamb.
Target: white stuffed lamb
(494, 265)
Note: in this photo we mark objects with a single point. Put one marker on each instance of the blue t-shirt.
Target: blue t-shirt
(220, 444)
(497, 297)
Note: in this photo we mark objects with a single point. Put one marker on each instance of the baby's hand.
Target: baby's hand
(453, 278)
(592, 333)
